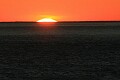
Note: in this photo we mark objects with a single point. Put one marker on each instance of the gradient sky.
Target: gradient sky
(62, 10)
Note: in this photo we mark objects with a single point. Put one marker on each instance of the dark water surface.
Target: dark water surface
(81, 52)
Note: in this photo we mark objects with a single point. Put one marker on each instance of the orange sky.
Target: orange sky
(32, 10)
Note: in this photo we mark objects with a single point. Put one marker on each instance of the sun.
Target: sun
(47, 20)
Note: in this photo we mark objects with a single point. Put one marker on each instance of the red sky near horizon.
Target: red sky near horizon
(62, 10)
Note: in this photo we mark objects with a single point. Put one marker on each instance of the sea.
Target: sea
(85, 50)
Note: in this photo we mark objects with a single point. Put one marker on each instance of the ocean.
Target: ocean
(63, 50)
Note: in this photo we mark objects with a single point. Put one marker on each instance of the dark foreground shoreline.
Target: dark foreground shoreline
(69, 51)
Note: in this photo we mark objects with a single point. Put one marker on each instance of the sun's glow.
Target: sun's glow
(47, 20)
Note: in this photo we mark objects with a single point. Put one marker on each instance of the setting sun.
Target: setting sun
(47, 20)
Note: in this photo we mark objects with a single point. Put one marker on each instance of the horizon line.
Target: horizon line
(60, 21)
